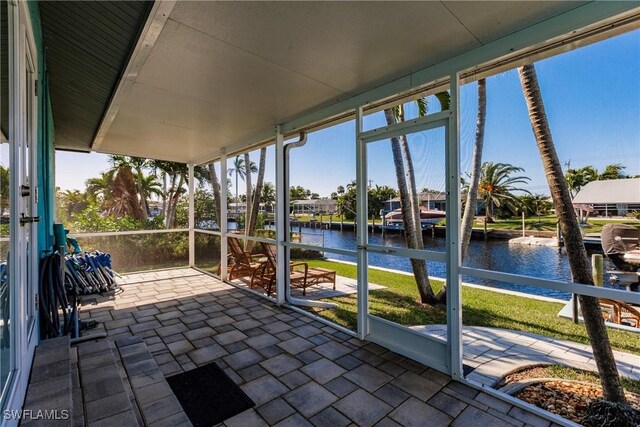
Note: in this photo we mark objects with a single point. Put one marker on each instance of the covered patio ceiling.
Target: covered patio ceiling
(205, 75)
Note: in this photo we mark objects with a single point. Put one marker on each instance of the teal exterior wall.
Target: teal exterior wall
(46, 152)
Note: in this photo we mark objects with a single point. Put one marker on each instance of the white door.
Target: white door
(29, 190)
(422, 145)
(18, 202)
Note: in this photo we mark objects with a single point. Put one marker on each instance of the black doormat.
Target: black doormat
(208, 396)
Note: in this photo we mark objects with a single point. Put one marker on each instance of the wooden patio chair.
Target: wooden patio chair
(298, 278)
(620, 312)
(241, 263)
(265, 275)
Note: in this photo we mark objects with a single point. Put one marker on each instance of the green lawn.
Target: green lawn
(548, 223)
(399, 303)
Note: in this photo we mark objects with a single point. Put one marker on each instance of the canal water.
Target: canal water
(497, 255)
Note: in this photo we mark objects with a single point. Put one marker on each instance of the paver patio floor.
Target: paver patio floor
(298, 371)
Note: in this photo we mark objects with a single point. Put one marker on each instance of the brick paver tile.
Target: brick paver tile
(391, 368)
(333, 350)
(247, 324)
(146, 326)
(276, 327)
(296, 345)
(294, 379)
(264, 389)
(392, 395)
(275, 411)
(220, 321)
(180, 347)
(262, 341)
(199, 333)
(330, 418)
(368, 377)
(252, 372)
(387, 422)
(494, 402)
(309, 399)
(248, 418)
(416, 385)
(229, 337)
(281, 364)
(447, 404)
(295, 420)
(414, 413)
(207, 354)
(348, 362)
(323, 370)
(308, 357)
(306, 331)
(340, 386)
(363, 408)
(475, 417)
(243, 358)
(171, 330)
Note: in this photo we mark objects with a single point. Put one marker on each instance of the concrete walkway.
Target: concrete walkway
(492, 353)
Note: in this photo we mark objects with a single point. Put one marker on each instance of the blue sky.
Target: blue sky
(592, 99)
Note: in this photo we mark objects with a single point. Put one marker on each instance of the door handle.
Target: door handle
(25, 190)
(28, 219)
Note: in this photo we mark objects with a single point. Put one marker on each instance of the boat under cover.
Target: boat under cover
(428, 217)
(621, 243)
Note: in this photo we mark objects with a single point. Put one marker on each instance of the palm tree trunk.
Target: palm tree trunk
(143, 196)
(472, 194)
(419, 267)
(248, 200)
(216, 194)
(164, 195)
(255, 199)
(488, 210)
(578, 261)
(145, 206)
(174, 200)
(168, 222)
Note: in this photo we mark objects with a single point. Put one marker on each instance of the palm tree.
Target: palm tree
(409, 200)
(577, 178)
(240, 171)
(148, 185)
(124, 191)
(268, 195)
(137, 165)
(72, 201)
(476, 167)
(100, 187)
(176, 174)
(253, 200)
(496, 186)
(576, 252)
(613, 171)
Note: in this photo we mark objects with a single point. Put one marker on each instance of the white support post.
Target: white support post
(192, 221)
(281, 211)
(454, 303)
(361, 230)
(223, 214)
